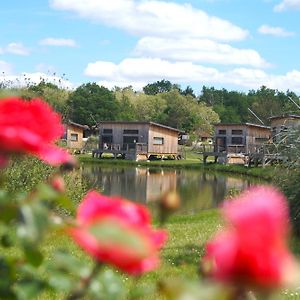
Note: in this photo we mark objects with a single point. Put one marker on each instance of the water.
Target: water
(198, 190)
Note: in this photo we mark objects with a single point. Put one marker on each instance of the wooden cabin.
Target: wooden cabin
(233, 143)
(137, 140)
(74, 134)
(280, 124)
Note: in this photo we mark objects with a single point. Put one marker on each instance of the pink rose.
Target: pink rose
(252, 249)
(30, 127)
(118, 232)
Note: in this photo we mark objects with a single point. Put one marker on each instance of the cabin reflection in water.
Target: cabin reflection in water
(198, 190)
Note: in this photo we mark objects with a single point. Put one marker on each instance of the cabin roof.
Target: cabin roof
(243, 124)
(140, 123)
(77, 125)
(287, 116)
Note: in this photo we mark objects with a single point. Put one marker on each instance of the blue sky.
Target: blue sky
(235, 44)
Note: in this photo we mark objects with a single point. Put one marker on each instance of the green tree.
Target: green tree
(185, 113)
(188, 91)
(127, 110)
(51, 93)
(91, 103)
(158, 87)
(150, 108)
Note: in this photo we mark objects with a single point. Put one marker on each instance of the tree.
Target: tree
(185, 113)
(51, 93)
(90, 103)
(161, 86)
(151, 108)
(188, 91)
(126, 104)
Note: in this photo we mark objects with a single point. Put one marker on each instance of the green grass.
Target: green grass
(187, 234)
(180, 256)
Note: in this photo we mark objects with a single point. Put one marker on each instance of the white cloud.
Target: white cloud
(24, 79)
(197, 50)
(275, 31)
(16, 48)
(5, 68)
(140, 71)
(286, 5)
(58, 42)
(154, 18)
(45, 68)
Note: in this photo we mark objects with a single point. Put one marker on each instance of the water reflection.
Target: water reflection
(198, 190)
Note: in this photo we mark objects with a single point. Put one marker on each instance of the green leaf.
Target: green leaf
(65, 202)
(107, 286)
(65, 262)
(8, 212)
(33, 256)
(29, 288)
(61, 281)
(34, 221)
(7, 277)
(5, 241)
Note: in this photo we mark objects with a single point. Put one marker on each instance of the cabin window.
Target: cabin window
(261, 140)
(74, 137)
(237, 141)
(283, 128)
(222, 131)
(130, 131)
(158, 140)
(237, 132)
(107, 131)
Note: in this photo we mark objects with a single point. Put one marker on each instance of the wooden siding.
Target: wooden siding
(250, 135)
(118, 129)
(170, 145)
(277, 124)
(144, 139)
(256, 135)
(71, 129)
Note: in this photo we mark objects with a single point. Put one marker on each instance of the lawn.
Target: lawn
(180, 256)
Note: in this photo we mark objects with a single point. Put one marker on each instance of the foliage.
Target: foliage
(161, 86)
(90, 103)
(288, 146)
(185, 113)
(232, 106)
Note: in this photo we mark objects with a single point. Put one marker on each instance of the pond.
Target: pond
(198, 189)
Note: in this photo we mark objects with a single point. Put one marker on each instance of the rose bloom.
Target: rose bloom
(30, 127)
(252, 249)
(118, 232)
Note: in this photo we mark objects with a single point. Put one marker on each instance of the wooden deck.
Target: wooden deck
(127, 151)
(252, 154)
(137, 151)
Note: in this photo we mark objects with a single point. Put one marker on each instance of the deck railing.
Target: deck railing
(128, 147)
(239, 149)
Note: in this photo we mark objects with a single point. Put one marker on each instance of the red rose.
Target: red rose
(118, 232)
(30, 127)
(252, 250)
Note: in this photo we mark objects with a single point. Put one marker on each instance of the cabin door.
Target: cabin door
(130, 141)
(221, 144)
(107, 141)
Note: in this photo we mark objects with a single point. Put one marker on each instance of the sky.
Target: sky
(233, 44)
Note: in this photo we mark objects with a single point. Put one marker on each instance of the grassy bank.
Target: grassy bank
(188, 163)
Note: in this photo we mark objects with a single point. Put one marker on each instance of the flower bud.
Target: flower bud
(58, 183)
(170, 201)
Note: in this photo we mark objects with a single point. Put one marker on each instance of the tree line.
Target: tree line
(161, 102)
